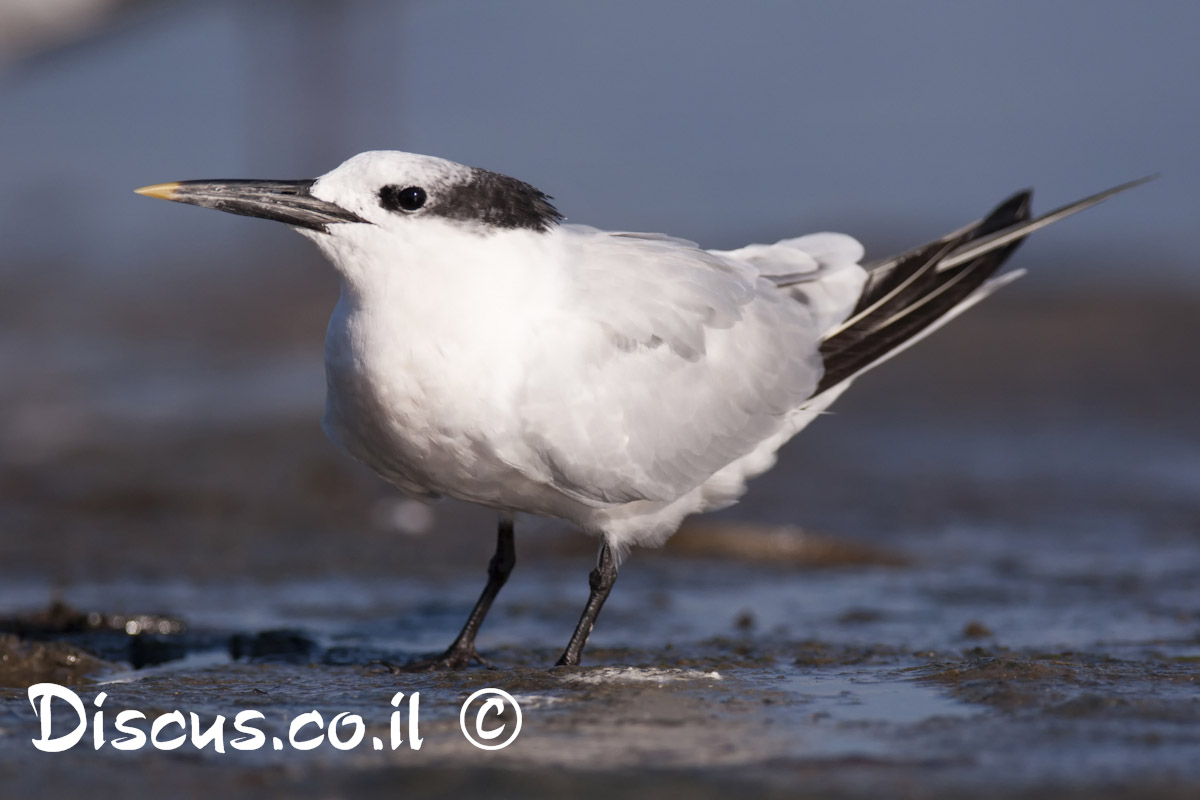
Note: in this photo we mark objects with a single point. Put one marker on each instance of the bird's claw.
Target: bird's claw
(451, 660)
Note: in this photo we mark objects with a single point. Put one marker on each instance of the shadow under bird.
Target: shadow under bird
(483, 349)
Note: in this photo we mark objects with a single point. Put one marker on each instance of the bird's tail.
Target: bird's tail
(909, 296)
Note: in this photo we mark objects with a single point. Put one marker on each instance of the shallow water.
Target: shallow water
(988, 585)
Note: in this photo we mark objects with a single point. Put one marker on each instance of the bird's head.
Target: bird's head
(379, 199)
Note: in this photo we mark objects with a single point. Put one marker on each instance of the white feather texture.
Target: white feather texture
(618, 380)
(484, 350)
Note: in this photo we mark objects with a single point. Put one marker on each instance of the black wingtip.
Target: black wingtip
(919, 293)
(906, 294)
(1003, 237)
(1016, 207)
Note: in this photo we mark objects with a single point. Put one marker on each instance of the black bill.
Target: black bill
(290, 202)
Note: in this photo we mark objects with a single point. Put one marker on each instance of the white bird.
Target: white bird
(484, 350)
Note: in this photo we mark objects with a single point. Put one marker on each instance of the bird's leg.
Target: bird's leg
(601, 581)
(462, 652)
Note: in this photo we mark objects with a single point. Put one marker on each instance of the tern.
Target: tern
(483, 349)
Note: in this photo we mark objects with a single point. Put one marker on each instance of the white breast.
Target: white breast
(422, 366)
(621, 381)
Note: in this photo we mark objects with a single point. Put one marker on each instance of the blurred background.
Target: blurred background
(718, 121)
(1026, 480)
(162, 367)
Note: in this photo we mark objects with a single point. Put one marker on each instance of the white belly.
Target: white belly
(428, 413)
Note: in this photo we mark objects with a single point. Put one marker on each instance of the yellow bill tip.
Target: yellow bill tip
(164, 191)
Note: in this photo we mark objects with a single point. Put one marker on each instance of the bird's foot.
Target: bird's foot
(452, 659)
(566, 661)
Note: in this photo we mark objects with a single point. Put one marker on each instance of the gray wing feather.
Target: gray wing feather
(686, 361)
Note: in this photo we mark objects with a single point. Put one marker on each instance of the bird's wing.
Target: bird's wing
(673, 362)
(908, 296)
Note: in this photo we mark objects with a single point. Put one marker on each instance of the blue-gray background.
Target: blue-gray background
(722, 122)
(1026, 481)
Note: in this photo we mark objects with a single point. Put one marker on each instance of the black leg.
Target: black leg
(601, 581)
(462, 652)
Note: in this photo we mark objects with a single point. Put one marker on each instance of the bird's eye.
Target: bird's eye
(408, 198)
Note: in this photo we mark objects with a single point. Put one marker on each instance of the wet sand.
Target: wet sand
(977, 577)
